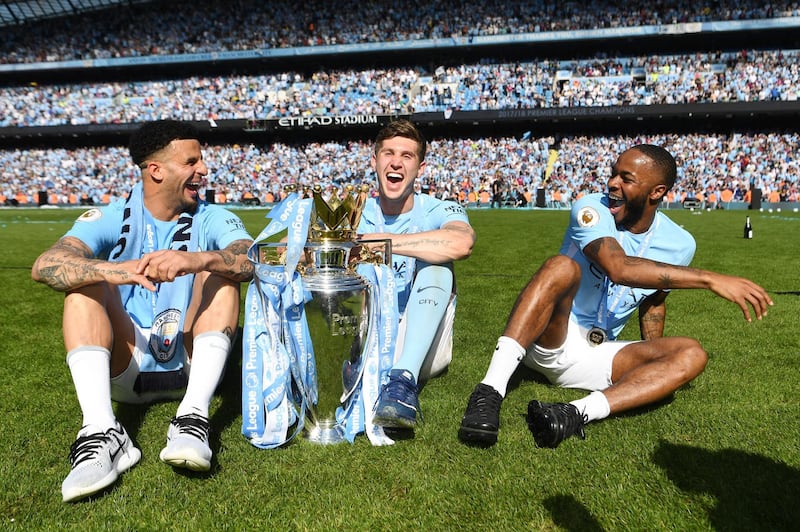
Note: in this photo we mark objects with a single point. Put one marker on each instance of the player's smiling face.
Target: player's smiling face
(396, 162)
(182, 172)
(634, 182)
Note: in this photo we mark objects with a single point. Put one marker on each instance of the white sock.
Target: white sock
(90, 366)
(507, 356)
(209, 353)
(593, 406)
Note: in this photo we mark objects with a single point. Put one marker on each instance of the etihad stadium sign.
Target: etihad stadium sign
(324, 120)
(319, 121)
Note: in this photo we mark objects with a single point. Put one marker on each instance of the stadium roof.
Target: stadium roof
(13, 13)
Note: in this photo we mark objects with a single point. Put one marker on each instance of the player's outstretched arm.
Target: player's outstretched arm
(69, 264)
(646, 273)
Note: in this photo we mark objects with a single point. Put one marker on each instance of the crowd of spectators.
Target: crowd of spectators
(715, 169)
(207, 26)
(755, 75)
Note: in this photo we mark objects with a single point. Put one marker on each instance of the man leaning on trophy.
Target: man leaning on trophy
(353, 309)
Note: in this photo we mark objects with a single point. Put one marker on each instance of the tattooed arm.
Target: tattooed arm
(453, 241)
(652, 315)
(231, 263)
(645, 273)
(70, 264)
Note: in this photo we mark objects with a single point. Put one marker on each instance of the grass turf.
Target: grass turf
(723, 453)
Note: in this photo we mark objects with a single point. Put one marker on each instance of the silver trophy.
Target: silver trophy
(341, 311)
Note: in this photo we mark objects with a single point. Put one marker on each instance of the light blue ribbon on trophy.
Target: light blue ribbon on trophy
(267, 412)
(279, 373)
(356, 415)
(611, 299)
(270, 364)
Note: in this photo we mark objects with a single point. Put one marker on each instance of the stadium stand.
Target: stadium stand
(508, 82)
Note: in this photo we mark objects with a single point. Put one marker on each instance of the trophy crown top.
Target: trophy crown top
(337, 217)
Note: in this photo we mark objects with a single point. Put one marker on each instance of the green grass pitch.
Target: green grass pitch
(723, 453)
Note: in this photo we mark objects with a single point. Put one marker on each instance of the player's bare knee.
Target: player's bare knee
(215, 287)
(693, 359)
(87, 296)
(566, 268)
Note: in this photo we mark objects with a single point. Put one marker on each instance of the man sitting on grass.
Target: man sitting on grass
(619, 254)
(152, 290)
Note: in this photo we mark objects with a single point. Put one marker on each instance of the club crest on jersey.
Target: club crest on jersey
(90, 216)
(588, 217)
(164, 335)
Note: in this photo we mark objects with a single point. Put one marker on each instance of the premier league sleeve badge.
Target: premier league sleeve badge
(588, 217)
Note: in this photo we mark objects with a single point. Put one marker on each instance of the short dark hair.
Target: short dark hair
(154, 136)
(403, 128)
(663, 160)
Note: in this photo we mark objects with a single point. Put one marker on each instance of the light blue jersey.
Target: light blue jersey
(100, 229)
(429, 213)
(599, 302)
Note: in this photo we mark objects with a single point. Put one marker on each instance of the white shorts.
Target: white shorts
(441, 351)
(577, 363)
(123, 386)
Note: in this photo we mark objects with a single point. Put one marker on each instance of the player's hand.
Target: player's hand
(375, 249)
(125, 272)
(743, 292)
(166, 265)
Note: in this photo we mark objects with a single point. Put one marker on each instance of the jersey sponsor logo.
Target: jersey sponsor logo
(163, 335)
(588, 217)
(90, 216)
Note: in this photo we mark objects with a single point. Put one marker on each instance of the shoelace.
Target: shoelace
(571, 420)
(483, 399)
(86, 447)
(192, 424)
(402, 390)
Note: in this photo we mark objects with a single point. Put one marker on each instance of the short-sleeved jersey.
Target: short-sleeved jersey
(100, 229)
(429, 213)
(591, 219)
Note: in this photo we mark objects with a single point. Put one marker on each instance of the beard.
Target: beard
(633, 213)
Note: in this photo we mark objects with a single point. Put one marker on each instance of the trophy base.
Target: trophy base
(325, 432)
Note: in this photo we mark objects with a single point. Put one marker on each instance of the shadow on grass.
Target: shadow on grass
(569, 514)
(752, 492)
(524, 373)
(131, 416)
